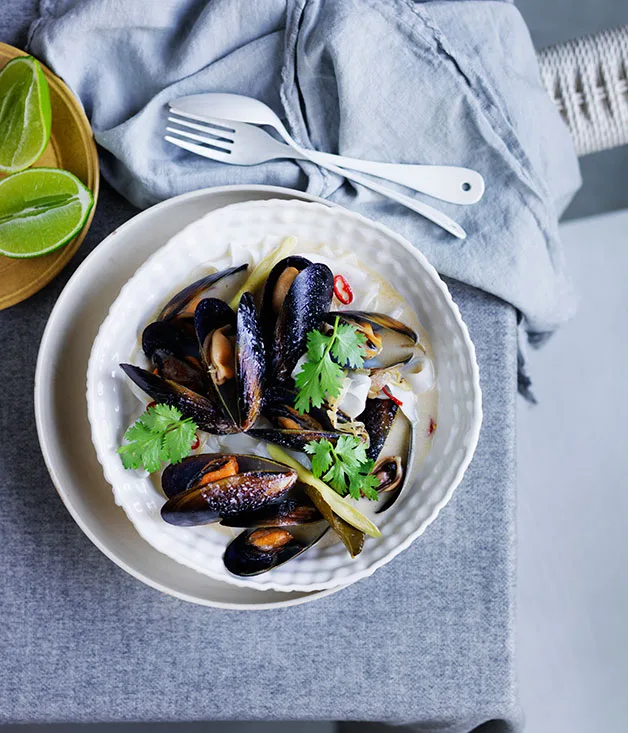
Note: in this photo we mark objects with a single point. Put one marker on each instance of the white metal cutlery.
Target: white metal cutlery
(219, 117)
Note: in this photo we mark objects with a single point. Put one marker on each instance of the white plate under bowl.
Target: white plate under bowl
(61, 407)
(208, 242)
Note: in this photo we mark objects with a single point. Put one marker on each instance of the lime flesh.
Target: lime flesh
(25, 116)
(41, 209)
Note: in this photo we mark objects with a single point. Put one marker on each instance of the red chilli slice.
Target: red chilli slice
(342, 290)
(391, 396)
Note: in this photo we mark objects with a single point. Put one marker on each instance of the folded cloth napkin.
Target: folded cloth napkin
(392, 80)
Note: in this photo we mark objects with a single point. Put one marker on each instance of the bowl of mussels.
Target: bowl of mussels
(284, 396)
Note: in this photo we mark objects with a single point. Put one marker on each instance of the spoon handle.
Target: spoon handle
(425, 210)
(447, 182)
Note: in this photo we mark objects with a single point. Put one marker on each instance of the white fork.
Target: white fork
(239, 143)
(451, 183)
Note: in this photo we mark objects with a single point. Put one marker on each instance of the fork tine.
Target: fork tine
(204, 151)
(213, 130)
(218, 143)
(224, 125)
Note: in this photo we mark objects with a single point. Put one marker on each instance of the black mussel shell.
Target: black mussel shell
(170, 336)
(205, 412)
(256, 551)
(391, 474)
(182, 372)
(288, 418)
(179, 477)
(378, 417)
(279, 400)
(289, 512)
(269, 316)
(184, 298)
(250, 362)
(294, 439)
(242, 492)
(397, 339)
(212, 314)
(306, 303)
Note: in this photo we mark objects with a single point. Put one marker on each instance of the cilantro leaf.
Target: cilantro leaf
(317, 343)
(321, 375)
(177, 442)
(347, 346)
(344, 466)
(321, 452)
(309, 385)
(160, 434)
(159, 417)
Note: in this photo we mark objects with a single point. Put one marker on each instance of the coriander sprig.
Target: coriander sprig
(321, 375)
(345, 466)
(160, 434)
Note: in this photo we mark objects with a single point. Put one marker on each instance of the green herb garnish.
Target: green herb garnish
(321, 375)
(160, 434)
(344, 466)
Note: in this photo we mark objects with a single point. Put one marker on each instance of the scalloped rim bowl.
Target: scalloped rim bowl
(110, 404)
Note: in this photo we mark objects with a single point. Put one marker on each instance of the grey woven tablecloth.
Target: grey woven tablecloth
(428, 638)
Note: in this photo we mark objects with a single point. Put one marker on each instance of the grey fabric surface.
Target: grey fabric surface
(447, 82)
(428, 638)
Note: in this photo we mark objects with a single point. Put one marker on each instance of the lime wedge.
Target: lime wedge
(40, 210)
(24, 114)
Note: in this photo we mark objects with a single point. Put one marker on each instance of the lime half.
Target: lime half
(24, 114)
(41, 209)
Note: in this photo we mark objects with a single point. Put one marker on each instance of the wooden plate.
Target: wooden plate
(71, 147)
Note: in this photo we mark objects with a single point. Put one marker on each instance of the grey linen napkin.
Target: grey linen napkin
(435, 82)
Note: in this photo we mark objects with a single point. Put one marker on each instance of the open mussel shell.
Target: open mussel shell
(250, 362)
(232, 349)
(391, 475)
(389, 342)
(174, 337)
(184, 302)
(206, 412)
(182, 372)
(258, 550)
(214, 494)
(279, 401)
(304, 306)
(179, 477)
(215, 325)
(378, 417)
(278, 282)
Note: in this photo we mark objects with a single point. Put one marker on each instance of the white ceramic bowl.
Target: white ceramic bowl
(112, 407)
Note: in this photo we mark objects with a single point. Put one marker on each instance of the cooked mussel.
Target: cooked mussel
(293, 439)
(232, 349)
(256, 551)
(292, 511)
(251, 362)
(378, 418)
(215, 486)
(304, 305)
(390, 472)
(278, 282)
(176, 337)
(181, 371)
(206, 412)
(215, 325)
(389, 342)
(193, 470)
(183, 304)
